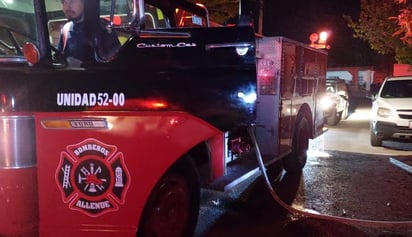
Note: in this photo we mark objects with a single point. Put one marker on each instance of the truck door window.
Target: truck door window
(57, 19)
(188, 19)
(123, 12)
(154, 18)
(17, 27)
(11, 42)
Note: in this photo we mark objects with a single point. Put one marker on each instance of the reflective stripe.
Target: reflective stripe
(65, 34)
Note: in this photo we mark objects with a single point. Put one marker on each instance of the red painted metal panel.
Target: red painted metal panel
(18, 202)
(143, 144)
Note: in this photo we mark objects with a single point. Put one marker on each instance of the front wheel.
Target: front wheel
(295, 161)
(173, 206)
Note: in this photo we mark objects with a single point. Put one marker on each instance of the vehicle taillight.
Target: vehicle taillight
(18, 180)
(3, 99)
(7, 103)
(267, 77)
(3, 102)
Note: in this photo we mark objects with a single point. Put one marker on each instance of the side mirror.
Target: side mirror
(31, 53)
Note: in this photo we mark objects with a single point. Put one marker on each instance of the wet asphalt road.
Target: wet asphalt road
(343, 178)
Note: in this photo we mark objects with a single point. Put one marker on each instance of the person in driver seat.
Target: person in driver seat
(85, 36)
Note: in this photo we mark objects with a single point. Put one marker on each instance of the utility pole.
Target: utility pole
(260, 23)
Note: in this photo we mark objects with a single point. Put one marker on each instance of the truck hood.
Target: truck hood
(395, 103)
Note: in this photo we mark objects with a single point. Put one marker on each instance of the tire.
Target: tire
(334, 118)
(375, 140)
(295, 161)
(173, 206)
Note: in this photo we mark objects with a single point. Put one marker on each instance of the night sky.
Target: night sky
(297, 19)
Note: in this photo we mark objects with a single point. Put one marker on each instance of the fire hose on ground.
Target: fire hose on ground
(344, 220)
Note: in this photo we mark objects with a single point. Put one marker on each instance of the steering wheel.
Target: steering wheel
(5, 46)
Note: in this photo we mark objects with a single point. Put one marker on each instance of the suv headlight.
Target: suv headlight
(384, 112)
(326, 102)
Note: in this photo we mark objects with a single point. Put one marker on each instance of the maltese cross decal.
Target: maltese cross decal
(92, 177)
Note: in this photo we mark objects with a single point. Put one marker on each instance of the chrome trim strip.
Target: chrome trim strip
(16, 59)
(228, 45)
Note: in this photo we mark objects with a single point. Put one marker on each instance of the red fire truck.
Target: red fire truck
(122, 145)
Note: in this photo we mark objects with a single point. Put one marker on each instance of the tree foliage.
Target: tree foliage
(404, 21)
(224, 11)
(379, 25)
(221, 11)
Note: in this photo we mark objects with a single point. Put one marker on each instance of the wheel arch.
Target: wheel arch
(200, 155)
(186, 166)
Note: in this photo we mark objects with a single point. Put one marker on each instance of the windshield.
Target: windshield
(17, 26)
(397, 89)
(18, 23)
(56, 17)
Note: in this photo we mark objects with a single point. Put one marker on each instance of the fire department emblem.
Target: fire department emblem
(92, 177)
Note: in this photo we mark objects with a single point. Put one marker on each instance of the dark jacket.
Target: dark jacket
(88, 45)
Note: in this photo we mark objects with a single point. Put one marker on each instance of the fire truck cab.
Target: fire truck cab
(121, 144)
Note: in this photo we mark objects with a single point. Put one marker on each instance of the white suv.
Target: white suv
(392, 111)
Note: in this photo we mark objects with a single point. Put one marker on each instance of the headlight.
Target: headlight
(242, 51)
(248, 98)
(326, 103)
(384, 112)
